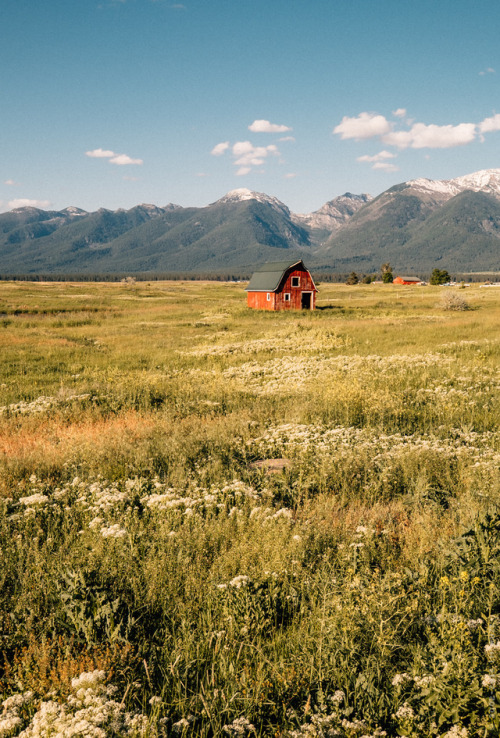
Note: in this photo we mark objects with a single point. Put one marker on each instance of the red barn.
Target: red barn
(281, 285)
(407, 280)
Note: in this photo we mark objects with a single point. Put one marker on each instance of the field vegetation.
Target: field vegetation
(224, 522)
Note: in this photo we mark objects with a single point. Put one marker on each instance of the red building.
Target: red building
(407, 280)
(281, 285)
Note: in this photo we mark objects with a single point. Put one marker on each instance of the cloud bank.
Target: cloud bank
(23, 202)
(368, 125)
(417, 136)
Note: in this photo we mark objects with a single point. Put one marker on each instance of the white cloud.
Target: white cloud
(290, 175)
(220, 148)
(415, 135)
(400, 139)
(23, 202)
(385, 166)
(113, 158)
(247, 155)
(488, 70)
(11, 183)
(422, 136)
(380, 157)
(100, 154)
(264, 126)
(366, 125)
(490, 124)
(380, 161)
(287, 138)
(123, 160)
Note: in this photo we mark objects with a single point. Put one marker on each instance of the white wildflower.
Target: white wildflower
(36, 499)
(456, 732)
(239, 581)
(405, 713)
(489, 681)
(338, 697)
(114, 531)
(240, 726)
(180, 725)
(492, 650)
(403, 678)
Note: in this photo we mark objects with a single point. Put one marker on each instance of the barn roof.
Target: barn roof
(410, 279)
(267, 278)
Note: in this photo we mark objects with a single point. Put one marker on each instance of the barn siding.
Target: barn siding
(259, 300)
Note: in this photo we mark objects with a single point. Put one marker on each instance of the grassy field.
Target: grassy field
(223, 522)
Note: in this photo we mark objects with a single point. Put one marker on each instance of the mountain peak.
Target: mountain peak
(334, 213)
(486, 180)
(241, 194)
(71, 210)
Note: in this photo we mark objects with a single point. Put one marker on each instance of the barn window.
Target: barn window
(286, 296)
(269, 297)
(295, 281)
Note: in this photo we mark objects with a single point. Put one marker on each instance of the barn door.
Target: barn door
(305, 302)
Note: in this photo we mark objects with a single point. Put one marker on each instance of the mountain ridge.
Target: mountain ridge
(414, 225)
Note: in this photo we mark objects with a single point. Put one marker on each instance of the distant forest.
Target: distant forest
(319, 276)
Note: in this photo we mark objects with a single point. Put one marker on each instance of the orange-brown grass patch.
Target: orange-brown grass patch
(51, 442)
(49, 664)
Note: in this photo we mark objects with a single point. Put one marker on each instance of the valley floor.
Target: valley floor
(224, 522)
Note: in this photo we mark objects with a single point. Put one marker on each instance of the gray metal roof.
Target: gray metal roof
(267, 278)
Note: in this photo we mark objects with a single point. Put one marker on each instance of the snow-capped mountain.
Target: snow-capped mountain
(486, 180)
(73, 212)
(414, 225)
(242, 194)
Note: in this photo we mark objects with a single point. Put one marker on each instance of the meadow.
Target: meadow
(224, 522)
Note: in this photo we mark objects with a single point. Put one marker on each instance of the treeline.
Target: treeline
(243, 276)
(362, 278)
(124, 277)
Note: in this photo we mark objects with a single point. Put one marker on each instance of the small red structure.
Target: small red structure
(281, 285)
(407, 280)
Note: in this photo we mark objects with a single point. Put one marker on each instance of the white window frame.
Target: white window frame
(295, 281)
(286, 296)
(269, 297)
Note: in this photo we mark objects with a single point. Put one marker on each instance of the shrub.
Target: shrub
(452, 301)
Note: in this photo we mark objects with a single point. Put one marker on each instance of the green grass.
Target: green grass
(140, 537)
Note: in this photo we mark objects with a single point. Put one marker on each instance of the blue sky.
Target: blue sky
(110, 103)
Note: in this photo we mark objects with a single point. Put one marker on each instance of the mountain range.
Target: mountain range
(416, 226)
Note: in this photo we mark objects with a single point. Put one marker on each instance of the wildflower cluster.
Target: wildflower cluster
(111, 509)
(89, 710)
(305, 341)
(288, 374)
(42, 404)
(332, 718)
(291, 439)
